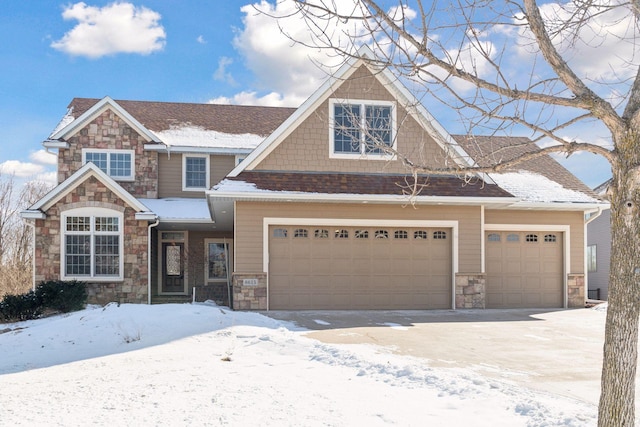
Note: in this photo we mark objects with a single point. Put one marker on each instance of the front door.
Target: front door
(173, 267)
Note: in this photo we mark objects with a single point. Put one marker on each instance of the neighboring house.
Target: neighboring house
(599, 249)
(276, 208)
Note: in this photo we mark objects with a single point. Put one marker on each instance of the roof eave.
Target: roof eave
(52, 143)
(189, 149)
(358, 198)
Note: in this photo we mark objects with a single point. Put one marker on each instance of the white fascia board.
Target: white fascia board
(205, 150)
(146, 216)
(358, 198)
(320, 95)
(55, 144)
(97, 109)
(556, 206)
(32, 214)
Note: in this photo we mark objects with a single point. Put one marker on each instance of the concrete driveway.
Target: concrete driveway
(557, 351)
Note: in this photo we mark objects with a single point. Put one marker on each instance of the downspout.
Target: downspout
(33, 249)
(591, 218)
(149, 259)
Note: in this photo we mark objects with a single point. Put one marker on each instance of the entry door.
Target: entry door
(173, 267)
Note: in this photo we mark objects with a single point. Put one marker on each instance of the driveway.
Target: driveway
(557, 351)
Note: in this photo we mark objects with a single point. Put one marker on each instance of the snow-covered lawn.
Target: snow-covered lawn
(199, 364)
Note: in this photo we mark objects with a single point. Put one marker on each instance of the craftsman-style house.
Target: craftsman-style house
(279, 208)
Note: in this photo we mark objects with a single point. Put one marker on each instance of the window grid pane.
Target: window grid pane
(346, 133)
(107, 249)
(107, 224)
(120, 165)
(196, 172)
(99, 159)
(78, 255)
(78, 223)
(378, 120)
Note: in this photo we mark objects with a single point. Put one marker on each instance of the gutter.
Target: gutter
(593, 217)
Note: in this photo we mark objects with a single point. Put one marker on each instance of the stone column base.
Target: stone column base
(249, 291)
(575, 290)
(470, 290)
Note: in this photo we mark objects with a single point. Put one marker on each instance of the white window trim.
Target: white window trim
(362, 154)
(184, 172)
(93, 213)
(209, 280)
(132, 153)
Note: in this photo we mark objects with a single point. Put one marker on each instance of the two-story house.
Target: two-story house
(278, 208)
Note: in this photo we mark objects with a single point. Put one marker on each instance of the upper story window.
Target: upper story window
(195, 172)
(361, 128)
(92, 244)
(118, 164)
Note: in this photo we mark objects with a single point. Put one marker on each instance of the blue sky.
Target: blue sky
(157, 50)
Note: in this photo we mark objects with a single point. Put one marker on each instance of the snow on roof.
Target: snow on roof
(533, 187)
(179, 208)
(64, 122)
(197, 136)
(233, 186)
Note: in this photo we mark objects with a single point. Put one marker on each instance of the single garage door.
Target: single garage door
(524, 269)
(361, 268)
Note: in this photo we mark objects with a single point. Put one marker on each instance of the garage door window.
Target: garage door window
(280, 233)
(321, 234)
(401, 234)
(439, 235)
(361, 234)
(513, 238)
(493, 237)
(382, 234)
(420, 235)
(531, 238)
(341, 234)
(301, 233)
(550, 238)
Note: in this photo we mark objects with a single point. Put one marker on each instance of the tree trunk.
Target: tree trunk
(617, 399)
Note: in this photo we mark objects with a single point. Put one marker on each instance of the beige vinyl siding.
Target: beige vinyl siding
(574, 219)
(307, 147)
(248, 242)
(170, 175)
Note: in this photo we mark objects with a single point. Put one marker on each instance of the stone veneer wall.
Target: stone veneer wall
(251, 297)
(108, 131)
(92, 193)
(470, 290)
(575, 290)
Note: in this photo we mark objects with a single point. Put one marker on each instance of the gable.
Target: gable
(308, 146)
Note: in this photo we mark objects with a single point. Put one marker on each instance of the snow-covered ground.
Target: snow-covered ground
(199, 364)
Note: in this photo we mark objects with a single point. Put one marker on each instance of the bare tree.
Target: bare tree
(516, 67)
(16, 255)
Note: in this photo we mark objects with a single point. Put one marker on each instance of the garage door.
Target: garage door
(524, 269)
(365, 268)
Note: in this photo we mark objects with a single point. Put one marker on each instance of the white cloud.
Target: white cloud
(20, 169)
(221, 73)
(278, 63)
(115, 28)
(272, 99)
(201, 40)
(43, 157)
(603, 49)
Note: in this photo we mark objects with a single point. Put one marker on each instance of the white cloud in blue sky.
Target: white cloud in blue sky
(112, 29)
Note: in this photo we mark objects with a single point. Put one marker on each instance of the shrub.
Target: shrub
(63, 296)
(56, 295)
(20, 307)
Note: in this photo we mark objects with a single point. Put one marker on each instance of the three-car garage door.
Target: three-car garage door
(367, 268)
(524, 269)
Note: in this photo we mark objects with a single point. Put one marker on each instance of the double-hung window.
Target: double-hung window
(92, 244)
(118, 164)
(361, 128)
(195, 172)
